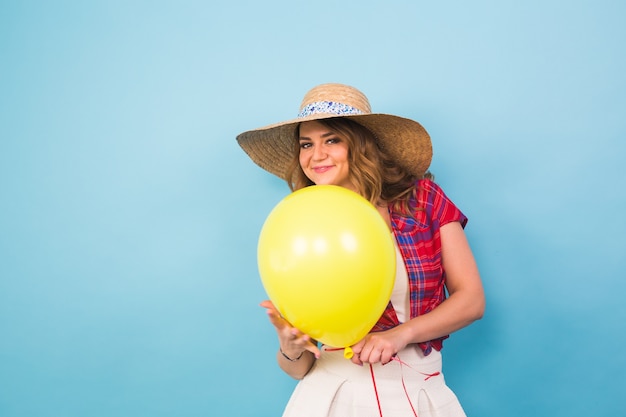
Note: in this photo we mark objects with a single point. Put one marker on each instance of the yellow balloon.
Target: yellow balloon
(327, 261)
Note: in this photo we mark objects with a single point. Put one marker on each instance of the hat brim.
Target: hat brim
(405, 140)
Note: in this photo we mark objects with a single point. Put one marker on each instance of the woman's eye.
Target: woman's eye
(333, 140)
(305, 145)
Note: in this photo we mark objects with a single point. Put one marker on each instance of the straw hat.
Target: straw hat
(407, 142)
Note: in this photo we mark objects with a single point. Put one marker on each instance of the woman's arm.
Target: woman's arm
(297, 352)
(465, 304)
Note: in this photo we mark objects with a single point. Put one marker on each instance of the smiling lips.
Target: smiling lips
(322, 169)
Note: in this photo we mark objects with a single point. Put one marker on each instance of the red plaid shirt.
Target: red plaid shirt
(420, 245)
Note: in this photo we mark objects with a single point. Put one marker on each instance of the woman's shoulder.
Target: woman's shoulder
(428, 192)
(425, 182)
(427, 185)
(436, 201)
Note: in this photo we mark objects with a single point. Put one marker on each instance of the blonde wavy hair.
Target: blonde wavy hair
(376, 176)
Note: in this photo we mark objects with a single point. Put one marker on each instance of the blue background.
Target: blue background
(129, 215)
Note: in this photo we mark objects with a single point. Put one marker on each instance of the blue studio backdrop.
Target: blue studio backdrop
(129, 216)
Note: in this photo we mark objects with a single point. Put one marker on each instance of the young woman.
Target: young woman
(337, 140)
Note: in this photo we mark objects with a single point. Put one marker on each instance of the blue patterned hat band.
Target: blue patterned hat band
(328, 107)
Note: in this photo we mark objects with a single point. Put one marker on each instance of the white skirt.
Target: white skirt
(410, 385)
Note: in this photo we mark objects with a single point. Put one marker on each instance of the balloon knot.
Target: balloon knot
(348, 353)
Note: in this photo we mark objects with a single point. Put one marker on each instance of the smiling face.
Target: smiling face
(324, 155)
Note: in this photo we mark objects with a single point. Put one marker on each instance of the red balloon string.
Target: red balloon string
(380, 410)
(406, 392)
(428, 376)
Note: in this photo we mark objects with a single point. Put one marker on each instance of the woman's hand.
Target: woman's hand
(380, 346)
(292, 341)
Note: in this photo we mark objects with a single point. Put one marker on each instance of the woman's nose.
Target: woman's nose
(319, 153)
